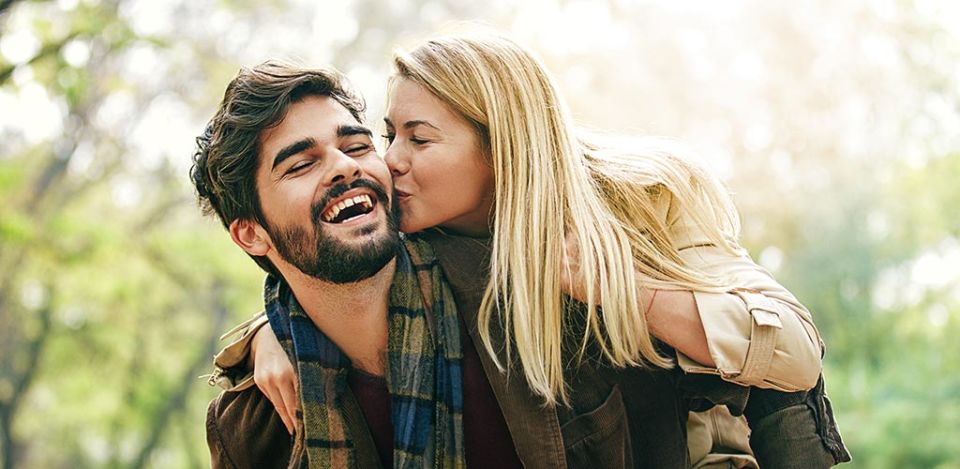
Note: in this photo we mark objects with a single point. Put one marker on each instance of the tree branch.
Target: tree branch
(189, 442)
(6, 4)
(8, 409)
(47, 50)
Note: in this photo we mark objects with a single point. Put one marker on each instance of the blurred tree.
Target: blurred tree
(87, 278)
(836, 126)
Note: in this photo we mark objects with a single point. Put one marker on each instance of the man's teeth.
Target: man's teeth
(332, 213)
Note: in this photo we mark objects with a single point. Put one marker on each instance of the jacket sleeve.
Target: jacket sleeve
(244, 431)
(229, 365)
(758, 334)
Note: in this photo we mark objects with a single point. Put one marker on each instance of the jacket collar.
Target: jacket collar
(534, 427)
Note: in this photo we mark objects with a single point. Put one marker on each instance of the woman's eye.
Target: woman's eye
(416, 141)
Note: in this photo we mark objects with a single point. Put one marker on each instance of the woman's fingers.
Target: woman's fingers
(291, 402)
(274, 375)
(571, 277)
(269, 383)
(282, 410)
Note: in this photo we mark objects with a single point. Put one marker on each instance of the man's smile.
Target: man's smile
(357, 206)
(351, 205)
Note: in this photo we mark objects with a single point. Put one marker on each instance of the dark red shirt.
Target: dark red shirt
(486, 436)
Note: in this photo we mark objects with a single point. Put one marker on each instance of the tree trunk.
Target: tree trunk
(187, 382)
(21, 384)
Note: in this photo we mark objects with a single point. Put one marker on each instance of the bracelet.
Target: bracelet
(650, 304)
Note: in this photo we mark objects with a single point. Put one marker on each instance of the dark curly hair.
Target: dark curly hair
(226, 161)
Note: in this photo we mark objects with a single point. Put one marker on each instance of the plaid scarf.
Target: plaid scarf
(424, 370)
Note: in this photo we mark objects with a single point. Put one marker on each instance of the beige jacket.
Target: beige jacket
(758, 333)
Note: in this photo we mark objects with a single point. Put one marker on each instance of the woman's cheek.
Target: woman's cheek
(409, 222)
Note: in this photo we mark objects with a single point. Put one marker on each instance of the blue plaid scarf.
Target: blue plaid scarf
(424, 376)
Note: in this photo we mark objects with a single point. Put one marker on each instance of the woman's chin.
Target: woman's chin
(411, 226)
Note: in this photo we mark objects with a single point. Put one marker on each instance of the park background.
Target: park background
(836, 124)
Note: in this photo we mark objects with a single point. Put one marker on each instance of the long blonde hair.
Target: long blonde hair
(550, 182)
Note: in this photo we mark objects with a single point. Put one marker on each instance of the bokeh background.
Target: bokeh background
(835, 123)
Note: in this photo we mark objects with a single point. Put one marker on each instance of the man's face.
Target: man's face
(325, 193)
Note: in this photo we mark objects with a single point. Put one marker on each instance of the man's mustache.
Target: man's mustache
(336, 191)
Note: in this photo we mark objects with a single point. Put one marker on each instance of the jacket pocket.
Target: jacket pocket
(600, 437)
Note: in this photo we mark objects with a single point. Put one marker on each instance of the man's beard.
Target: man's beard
(330, 259)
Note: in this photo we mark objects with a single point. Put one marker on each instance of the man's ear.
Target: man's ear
(250, 236)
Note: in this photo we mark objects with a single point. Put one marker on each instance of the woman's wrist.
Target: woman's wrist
(252, 356)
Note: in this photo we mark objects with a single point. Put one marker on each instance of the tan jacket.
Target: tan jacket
(758, 333)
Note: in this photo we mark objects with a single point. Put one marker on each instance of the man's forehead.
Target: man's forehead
(318, 114)
(315, 117)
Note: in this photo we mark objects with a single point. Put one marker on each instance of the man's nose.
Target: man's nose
(343, 169)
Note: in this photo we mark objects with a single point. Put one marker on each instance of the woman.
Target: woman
(481, 146)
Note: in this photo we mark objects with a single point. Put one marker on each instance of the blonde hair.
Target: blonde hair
(550, 182)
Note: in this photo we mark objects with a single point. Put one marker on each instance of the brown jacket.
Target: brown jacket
(617, 418)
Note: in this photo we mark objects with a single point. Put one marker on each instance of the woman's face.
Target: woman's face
(439, 172)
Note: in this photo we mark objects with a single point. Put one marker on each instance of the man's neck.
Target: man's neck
(352, 315)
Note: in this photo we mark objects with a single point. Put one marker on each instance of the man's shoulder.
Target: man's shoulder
(244, 430)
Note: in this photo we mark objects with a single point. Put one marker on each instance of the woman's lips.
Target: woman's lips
(401, 195)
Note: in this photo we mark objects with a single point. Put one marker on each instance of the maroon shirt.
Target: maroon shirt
(486, 437)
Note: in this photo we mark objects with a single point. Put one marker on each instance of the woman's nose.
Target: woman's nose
(398, 162)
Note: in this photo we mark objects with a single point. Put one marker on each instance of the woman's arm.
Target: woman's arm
(672, 316)
(757, 334)
(257, 349)
(754, 334)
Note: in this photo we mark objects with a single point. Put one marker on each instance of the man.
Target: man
(291, 171)
(387, 371)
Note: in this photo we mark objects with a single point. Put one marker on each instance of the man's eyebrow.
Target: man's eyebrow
(348, 130)
(292, 149)
(309, 142)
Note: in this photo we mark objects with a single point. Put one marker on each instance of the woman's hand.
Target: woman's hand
(274, 375)
(573, 280)
(671, 315)
(571, 277)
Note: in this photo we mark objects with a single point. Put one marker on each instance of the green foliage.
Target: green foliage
(891, 369)
(106, 318)
(114, 288)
